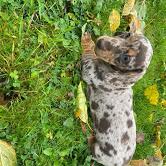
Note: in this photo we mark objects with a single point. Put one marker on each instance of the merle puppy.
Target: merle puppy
(110, 68)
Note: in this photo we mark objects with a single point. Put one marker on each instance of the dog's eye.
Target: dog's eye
(124, 59)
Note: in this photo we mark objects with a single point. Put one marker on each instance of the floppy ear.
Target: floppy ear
(123, 35)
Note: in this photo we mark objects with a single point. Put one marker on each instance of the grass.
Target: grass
(40, 71)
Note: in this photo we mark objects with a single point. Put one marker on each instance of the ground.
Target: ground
(40, 71)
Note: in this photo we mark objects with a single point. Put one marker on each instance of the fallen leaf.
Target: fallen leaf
(81, 105)
(158, 154)
(152, 94)
(137, 26)
(7, 154)
(137, 163)
(136, 18)
(154, 161)
(128, 7)
(163, 102)
(114, 20)
(83, 127)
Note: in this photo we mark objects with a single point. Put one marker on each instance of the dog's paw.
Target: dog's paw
(87, 43)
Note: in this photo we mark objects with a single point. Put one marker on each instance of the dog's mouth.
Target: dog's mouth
(138, 70)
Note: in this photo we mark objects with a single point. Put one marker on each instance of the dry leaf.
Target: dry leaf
(137, 163)
(154, 161)
(136, 17)
(137, 26)
(7, 154)
(114, 20)
(128, 7)
(152, 94)
(81, 105)
(83, 127)
(158, 154)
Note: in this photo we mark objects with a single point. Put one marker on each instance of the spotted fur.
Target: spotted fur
(110, 68)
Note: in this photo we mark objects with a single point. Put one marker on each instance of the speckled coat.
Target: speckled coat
(110, 68)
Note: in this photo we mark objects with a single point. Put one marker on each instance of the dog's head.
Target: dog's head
(126, 52)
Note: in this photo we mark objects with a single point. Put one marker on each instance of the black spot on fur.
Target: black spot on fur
(99, 72)
(106, 114)
(108, 147)
(88, 92)
(99, 44)
(105, 151)
(104, 125)
(98, 156)
(129, 123)
(114, 115)
(107, 45)
(88, 67)
(128, 148)
(125, 138)
(111, 148)
(115, 152)
(110, 107)
(84, 62)
(113, 80)
(127, 113)
(115, 164)
(94, 105)
(94, 88)
(120, 89)
(104, 88)
(95, 120)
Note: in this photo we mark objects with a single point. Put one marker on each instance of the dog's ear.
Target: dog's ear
(123, 35)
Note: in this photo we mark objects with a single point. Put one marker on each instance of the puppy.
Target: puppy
(110, 68)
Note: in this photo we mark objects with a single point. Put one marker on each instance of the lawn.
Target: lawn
(40, 72)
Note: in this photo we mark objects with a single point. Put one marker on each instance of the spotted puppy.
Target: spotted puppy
(110, 68)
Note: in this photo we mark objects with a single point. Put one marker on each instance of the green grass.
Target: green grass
(40, 70)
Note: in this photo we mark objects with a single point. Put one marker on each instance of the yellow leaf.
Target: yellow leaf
(158, 154)
(158, 133)
(163, 102)
(152, 94)
(81, 105)
(114, 20)
(154, 161)
(7, 154)
(128, 7)
(137, 163)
